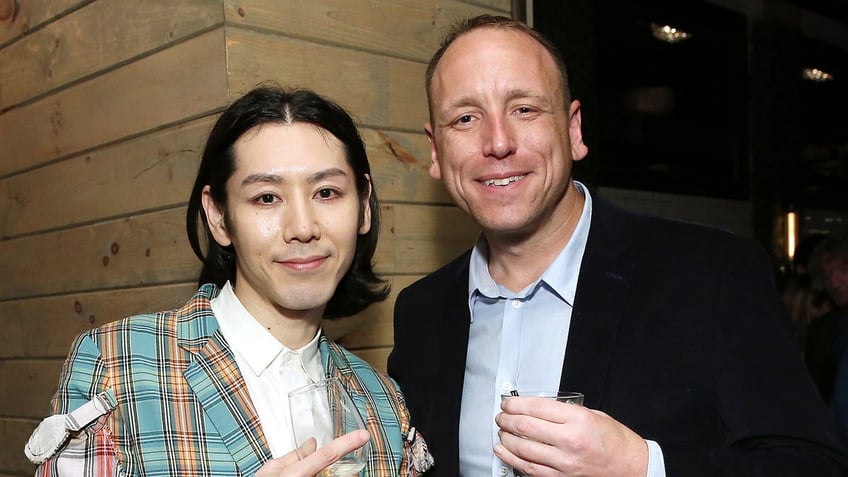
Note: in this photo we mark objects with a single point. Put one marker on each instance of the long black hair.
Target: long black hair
(272, 104)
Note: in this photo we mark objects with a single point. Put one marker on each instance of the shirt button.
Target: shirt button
(516, 304)
(504, 471)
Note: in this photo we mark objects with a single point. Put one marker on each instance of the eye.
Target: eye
(326, 193)
(463, 120)
(266, 198)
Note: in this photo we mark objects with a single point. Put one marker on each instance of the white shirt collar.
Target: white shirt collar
(561, 274)
(250, 339)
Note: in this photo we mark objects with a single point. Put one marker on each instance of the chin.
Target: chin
(304, 300)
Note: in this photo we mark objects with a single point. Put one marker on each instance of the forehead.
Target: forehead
(495, 58)
(288, 147)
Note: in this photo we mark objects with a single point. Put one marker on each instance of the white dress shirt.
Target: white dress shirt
(270, 369)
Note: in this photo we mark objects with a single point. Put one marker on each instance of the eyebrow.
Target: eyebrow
(321, 175)
(278, 179)
(512, 95)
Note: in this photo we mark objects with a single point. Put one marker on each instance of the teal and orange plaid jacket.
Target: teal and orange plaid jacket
(181, 406)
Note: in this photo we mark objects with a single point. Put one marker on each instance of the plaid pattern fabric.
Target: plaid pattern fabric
(381, 404)
(183, 407)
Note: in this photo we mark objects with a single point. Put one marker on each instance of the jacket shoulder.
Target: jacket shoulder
(453, 274)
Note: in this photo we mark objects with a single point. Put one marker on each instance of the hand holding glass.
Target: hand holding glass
(324, 411)
(559, 396)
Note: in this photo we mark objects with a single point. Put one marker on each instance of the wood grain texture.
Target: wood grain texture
(14, 433)
(373, 327)
(45, 327)
(88, 41)
(399, 28)
(18, 17)
(399, 166)
(423, 238)
(33, 382)
(152, 171)
(503, 6)
(379, 91)
(186, 80)
(138, 250)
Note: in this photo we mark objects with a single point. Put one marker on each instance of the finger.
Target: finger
(530, 427)
(536, 458)
(307, 448)
(274, 467)
(529, 450)
(307, 462)
(542, 408)
(521, 466)
(320, 459)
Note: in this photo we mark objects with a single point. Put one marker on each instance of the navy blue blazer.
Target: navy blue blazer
(677, 332)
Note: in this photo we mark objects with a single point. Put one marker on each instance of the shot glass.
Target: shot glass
(569, 397)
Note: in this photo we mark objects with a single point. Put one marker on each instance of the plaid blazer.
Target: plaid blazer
(181, 406)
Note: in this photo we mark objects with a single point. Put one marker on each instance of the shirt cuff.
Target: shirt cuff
(656, 464)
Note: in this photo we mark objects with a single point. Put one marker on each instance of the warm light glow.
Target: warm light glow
(669, 33)
(791, 234)
(817, 75)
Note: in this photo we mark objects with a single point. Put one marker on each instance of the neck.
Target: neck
(293, 328)
(292, 333)
(516, 261)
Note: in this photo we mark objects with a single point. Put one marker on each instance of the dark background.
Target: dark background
(723, 114)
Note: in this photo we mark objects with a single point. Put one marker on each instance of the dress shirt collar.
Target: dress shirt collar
(250, 339)
(560, 276)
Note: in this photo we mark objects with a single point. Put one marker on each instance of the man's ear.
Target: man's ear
(215, 218)
(579, 149)
(435, 168)
(365, 225)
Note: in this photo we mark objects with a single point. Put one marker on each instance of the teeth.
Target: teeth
(503, 182)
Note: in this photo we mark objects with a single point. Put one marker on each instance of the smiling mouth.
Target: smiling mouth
(505, 181)
(303, 263)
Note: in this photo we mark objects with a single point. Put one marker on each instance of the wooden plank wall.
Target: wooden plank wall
(104, 107)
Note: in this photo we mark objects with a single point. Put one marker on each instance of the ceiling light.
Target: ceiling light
(815, 74)
(669, 33)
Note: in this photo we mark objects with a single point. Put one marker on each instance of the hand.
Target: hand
(313, 461)
(561, 439)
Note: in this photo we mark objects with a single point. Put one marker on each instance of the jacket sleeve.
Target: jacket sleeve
(76, 439)
(775, 423)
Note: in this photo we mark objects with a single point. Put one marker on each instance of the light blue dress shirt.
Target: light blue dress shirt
(518, 341)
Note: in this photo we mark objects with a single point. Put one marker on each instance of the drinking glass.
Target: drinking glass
(324, 411)
(569, 397)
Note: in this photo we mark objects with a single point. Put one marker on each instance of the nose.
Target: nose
(499, 137)
(300, 222)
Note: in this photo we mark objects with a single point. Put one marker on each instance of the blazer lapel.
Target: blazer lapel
(602, 286)
(456, 321)
(452, 322)
(222, 393)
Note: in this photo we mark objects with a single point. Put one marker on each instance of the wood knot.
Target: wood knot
(396, 150)
(8, 10)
